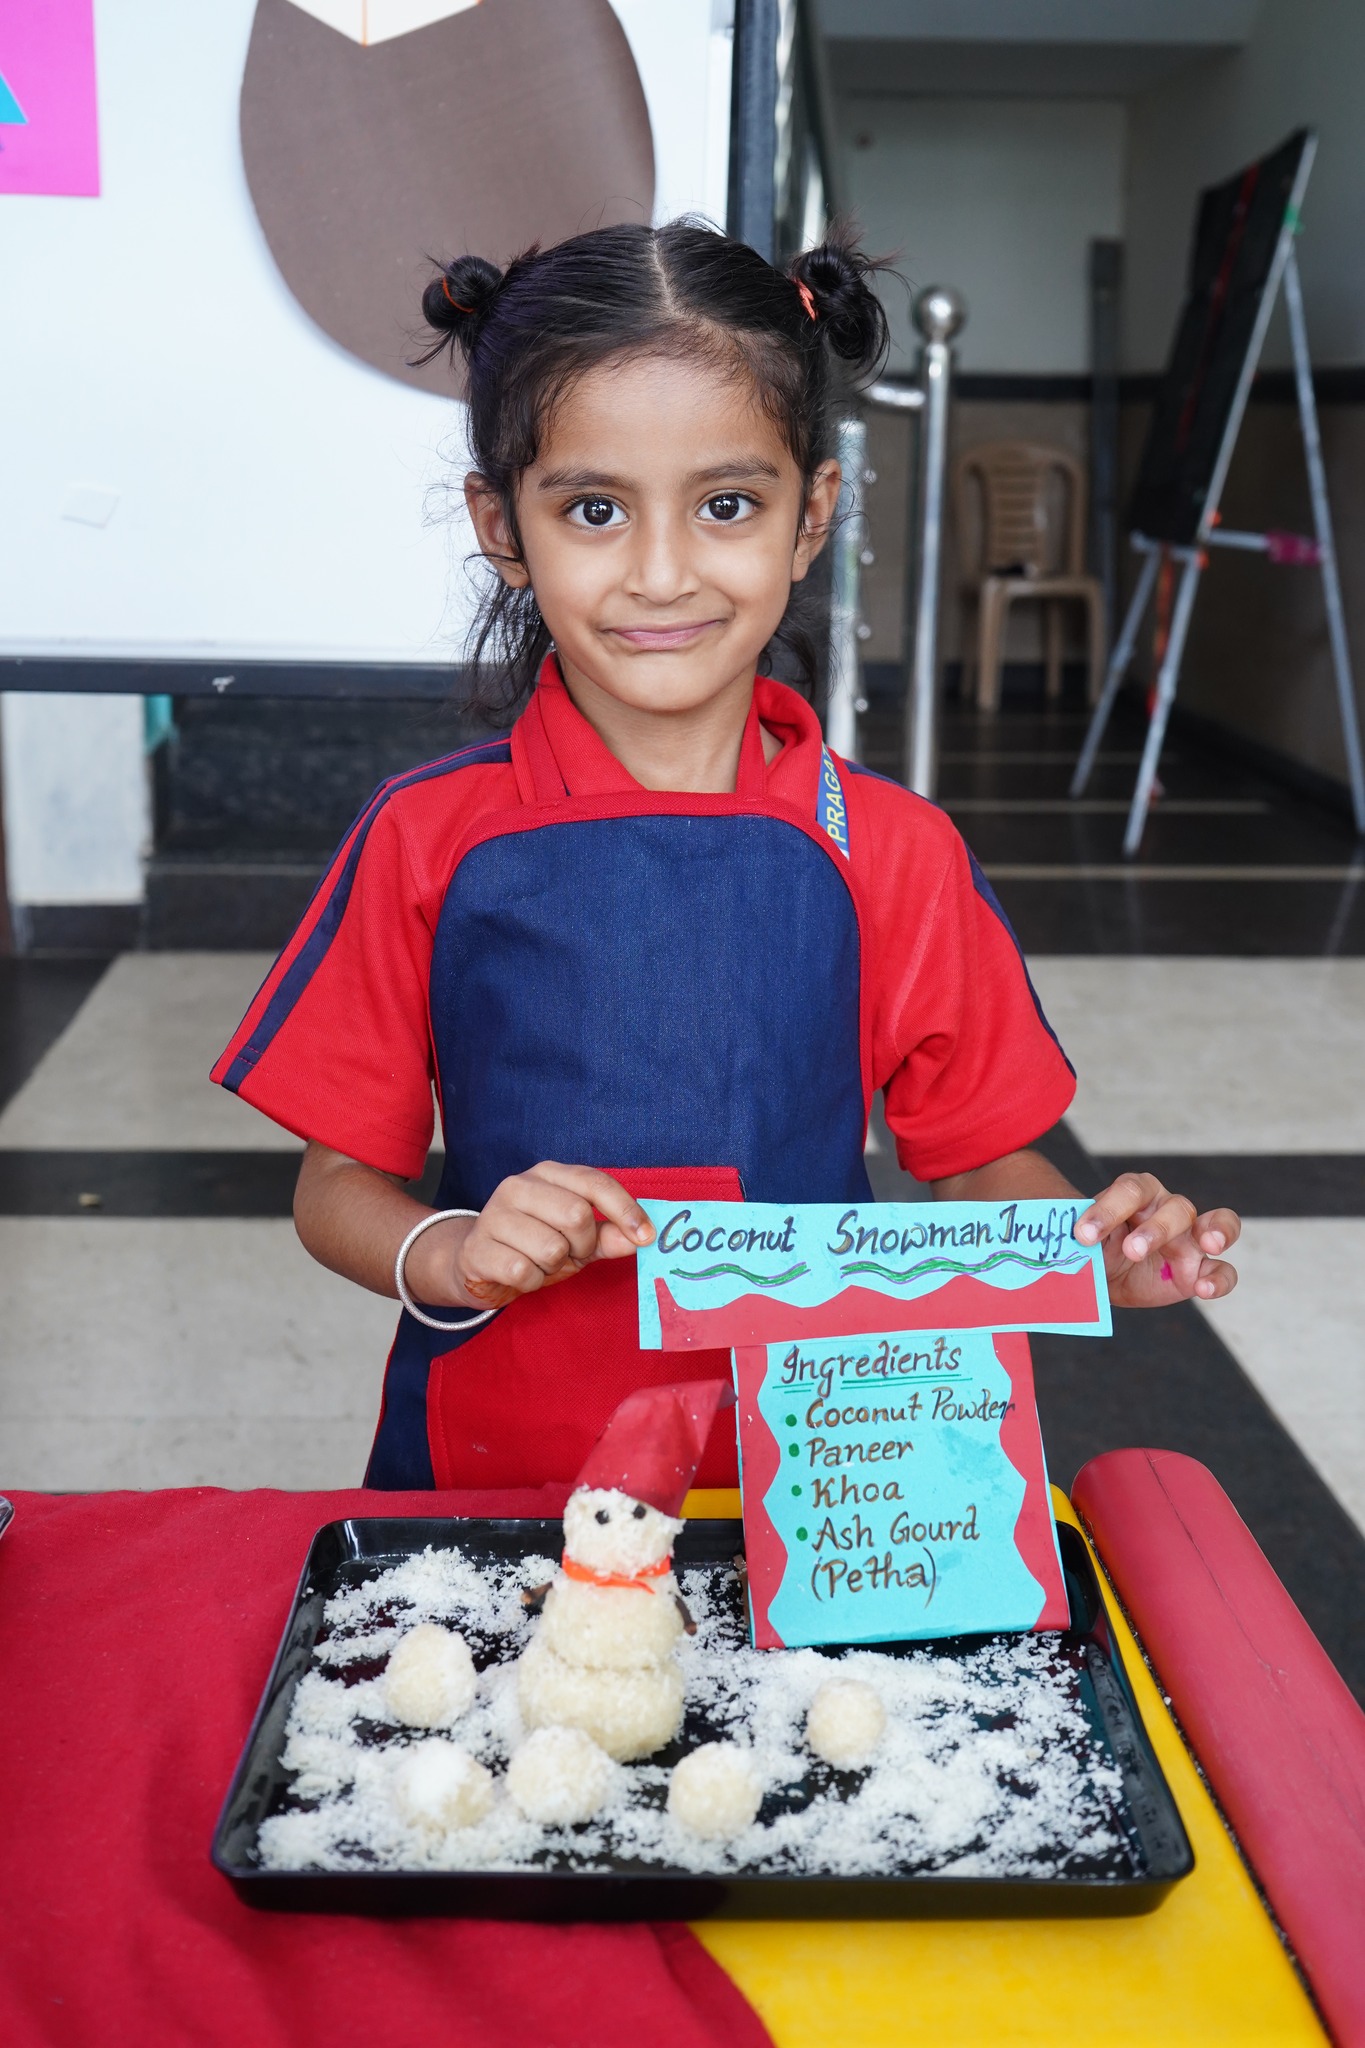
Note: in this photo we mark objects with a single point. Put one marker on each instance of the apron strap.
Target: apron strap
(831, 810)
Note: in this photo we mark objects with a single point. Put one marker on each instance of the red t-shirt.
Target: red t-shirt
(338, 1045)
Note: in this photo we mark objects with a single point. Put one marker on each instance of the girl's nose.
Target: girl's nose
(661, 568)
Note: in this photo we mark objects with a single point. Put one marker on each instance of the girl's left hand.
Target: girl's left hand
(1156, 1248)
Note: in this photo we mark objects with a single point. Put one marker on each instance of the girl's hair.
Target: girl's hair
(528, 332)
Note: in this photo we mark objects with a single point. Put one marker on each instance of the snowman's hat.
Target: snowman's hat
(652, 1445)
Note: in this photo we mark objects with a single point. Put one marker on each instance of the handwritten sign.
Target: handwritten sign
(891, 1463)
(722, 1275)
(895, 1489)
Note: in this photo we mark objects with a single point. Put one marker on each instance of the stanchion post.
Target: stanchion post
(845, 611)
(939, 315)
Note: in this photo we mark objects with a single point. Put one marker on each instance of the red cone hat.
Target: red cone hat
(653, 1444)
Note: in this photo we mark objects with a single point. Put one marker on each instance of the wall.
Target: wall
(1257, 660)
(1303, 67)
(999, 197)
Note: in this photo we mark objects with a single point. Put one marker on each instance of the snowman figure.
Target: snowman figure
(603, 1657)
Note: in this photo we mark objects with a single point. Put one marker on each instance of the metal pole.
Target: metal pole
(1165, 697)
(841, 707)
(1322, 528)
(1106, 277)
(939, 315)
(751, 215)
(1118, 668)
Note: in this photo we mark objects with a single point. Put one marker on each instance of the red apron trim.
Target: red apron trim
(525, 1398)
(586, 1576)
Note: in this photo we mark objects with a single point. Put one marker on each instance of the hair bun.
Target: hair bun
(456, 300)
(850, 318)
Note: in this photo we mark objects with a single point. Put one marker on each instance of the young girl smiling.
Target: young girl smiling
(659, 941)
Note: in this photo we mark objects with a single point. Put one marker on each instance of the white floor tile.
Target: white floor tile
(1296, 1322)
(176, 1353)
(132, 1067)
(1205, 1055)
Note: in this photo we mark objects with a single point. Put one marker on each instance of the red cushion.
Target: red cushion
(1280, 1737)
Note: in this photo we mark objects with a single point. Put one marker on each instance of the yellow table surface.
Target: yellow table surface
(1207, 1966)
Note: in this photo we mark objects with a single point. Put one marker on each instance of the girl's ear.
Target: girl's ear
(492, 531)
(821, 500)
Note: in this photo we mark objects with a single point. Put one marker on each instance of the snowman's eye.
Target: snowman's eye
(639, 1511)
(603, 1515)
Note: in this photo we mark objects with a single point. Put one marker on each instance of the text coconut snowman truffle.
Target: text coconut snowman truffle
(602, 1659)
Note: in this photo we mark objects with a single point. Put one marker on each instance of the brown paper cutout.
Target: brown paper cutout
(515, 122)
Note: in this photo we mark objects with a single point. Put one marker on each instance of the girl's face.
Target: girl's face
(662, 529)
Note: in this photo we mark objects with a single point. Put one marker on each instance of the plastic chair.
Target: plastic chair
(1025, 551)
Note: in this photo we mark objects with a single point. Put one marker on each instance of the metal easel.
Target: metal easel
(1193, 558)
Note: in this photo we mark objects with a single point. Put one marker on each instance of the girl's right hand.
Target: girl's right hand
(537, 1228)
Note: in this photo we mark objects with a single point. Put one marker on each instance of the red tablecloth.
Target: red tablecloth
(136, 1632)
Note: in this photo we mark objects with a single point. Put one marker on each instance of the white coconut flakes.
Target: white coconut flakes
(989, 1766)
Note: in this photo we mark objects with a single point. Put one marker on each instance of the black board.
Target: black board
(1237, 229)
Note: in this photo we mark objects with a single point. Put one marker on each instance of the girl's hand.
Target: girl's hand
(1156, 1249)
(537, 1228)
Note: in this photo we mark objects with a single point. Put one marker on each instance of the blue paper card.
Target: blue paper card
(724, 1274)
(895, 1489)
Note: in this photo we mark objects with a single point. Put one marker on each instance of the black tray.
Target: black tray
(346, 1553)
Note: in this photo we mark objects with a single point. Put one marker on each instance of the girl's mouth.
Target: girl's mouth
(661, 638)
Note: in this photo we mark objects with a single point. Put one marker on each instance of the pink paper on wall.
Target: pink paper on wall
(47, 60)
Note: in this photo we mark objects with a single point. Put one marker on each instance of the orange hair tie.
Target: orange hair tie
(445, 287)
(806, 299)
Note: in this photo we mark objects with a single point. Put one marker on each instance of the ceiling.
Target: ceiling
(1036, 49)
(878, 67)
(1216, 22)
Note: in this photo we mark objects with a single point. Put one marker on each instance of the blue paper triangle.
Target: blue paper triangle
(10, 110)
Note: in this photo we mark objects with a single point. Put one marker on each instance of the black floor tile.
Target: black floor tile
(198, 904)
(1255, 1184)
(1018, 774)
(38, 999)
(1246, 920)
(1215, 839)
(1164, 1381)
(158, 1184)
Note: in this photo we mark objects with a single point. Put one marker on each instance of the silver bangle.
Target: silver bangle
(400, 1279)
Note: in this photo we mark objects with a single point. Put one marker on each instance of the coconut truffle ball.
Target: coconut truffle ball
(715, 1792)
(846, 1722)
(430, 1678)
(559, 1776)
(439, 1785)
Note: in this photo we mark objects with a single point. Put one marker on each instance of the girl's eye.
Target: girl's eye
(727, 507)
(594, 512)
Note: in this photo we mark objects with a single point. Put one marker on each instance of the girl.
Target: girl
(659, 941)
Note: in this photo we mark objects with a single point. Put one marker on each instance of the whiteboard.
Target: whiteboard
(194, 470)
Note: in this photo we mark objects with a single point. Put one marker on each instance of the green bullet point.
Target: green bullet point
(791, 1422)
(793, 1450)
(796, 1493)
(802, 1534)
